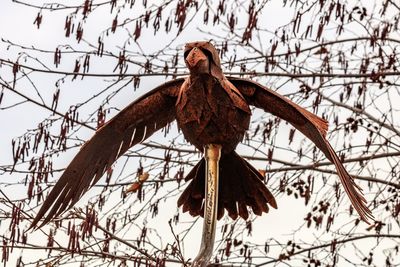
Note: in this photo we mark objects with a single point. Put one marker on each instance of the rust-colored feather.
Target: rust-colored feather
(240, 186)
(132, 125)
(209, 108)
(312, 126)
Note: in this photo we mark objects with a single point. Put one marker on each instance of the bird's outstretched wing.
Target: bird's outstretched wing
(310, 125)
(131, 126)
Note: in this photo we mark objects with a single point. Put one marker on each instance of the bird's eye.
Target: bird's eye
(186, 53)
(207, 53)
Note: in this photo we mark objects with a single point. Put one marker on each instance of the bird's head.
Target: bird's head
(202, 58)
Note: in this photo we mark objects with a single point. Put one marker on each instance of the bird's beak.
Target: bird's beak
(194, 57)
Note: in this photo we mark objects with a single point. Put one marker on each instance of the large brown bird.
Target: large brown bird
(209, 109)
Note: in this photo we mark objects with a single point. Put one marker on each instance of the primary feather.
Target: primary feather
(310, 125)
(131, 126)
(209, 108)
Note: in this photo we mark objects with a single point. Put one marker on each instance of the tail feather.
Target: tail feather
(243, 212)
(269, 198)
(191, 197)
(240, 186)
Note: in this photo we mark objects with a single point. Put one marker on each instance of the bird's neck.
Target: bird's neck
(203, 78)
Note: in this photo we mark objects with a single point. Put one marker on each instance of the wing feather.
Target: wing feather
(312, 126)
(131, 126)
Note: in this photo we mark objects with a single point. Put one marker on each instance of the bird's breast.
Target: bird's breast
(206, 114)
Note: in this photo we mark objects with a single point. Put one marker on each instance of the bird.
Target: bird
(209, 108)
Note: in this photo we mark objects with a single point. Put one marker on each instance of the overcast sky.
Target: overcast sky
(17, 26)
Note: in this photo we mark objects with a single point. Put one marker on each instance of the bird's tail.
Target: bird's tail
(240, 185)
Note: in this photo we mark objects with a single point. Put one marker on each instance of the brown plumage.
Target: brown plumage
(209, 109)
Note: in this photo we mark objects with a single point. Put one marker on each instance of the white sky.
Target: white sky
(17, 26)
